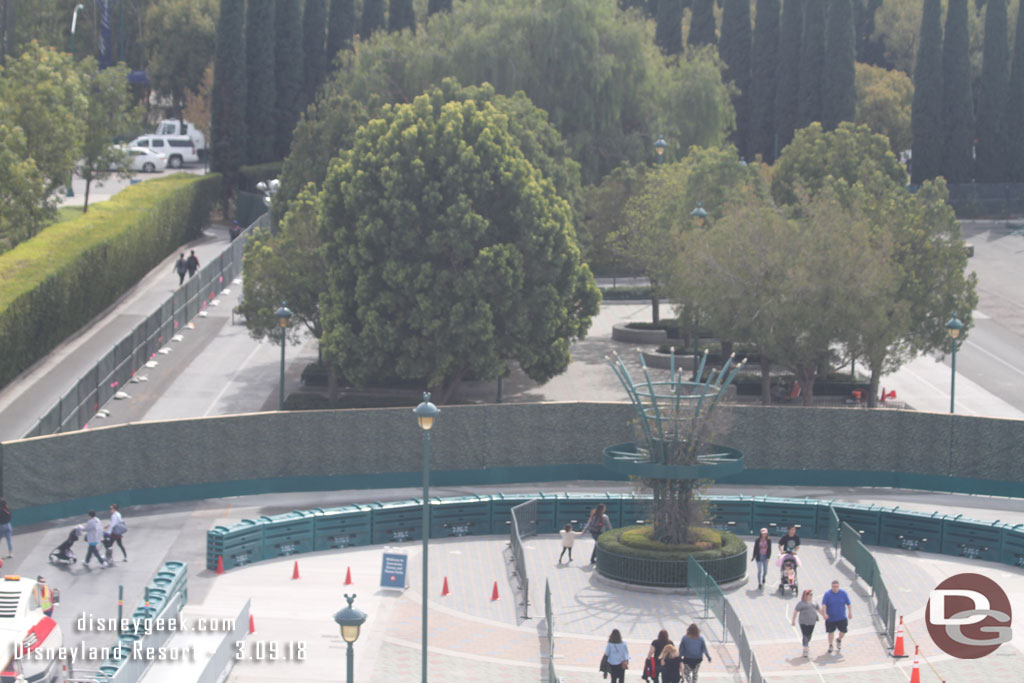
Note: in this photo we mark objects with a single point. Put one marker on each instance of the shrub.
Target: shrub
(54, 283)
(621, 293)
(637, 541)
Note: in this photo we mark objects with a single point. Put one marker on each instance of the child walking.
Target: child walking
(568, 538)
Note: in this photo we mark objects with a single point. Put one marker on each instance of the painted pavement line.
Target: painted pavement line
(231, 382)
(994, 357)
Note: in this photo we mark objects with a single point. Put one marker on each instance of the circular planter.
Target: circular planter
(641, 571)
(628, 334)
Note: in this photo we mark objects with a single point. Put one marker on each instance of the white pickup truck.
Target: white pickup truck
(176, 127)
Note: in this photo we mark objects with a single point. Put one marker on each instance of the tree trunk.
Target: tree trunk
(447, 389)
(674, 511)
(876, 376)
(766, 381)
(726, 350)
(332, 384)
(806, 377)
(85, 206)
(654, 308)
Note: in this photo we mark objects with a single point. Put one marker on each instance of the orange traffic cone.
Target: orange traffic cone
(295, 571)
(897, 649)
(348, 576)
(915, 674)
(444, 588)
(220, 564)
(252, 624)
(494, 593)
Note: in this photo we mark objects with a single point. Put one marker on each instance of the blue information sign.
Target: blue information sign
(392, 570)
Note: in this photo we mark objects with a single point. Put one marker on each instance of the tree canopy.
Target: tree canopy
(109, 117)
(884, 101)
(448, 252)
(180, 40)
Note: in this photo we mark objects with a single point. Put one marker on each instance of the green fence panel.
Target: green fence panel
(461, 516)
(575, 508)
(911, 530)
(777, 514)
(238, 544)
(971, 538)
(864, 518)
(1012, 547)
(397, 521)
(341, 527)
(502, 504)
(635, 510)
(732, 513)
(833, 526)
(287, 534)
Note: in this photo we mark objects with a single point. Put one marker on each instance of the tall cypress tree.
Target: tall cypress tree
(288, 70)
(668, 26)
(839, 91)
(787, 88)
(401, 15)
(435, 6)
(341, 28)
(991, 166)
(702, 23)
(926, 115)
(227, 106)
(812, 60)
(870, 48)
(261, 83)
(764, 63)
(1015, 106)
(957, 100)
(373, 18)
(734, 49)
(314, 57)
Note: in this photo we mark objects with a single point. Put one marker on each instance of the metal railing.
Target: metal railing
(224, 656)
(667, 573)
(524, 523)
(866, 567)
(549, 628)
(116, 368)
(833, 530)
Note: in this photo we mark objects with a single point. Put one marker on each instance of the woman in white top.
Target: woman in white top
(618, 656)
(116, 529)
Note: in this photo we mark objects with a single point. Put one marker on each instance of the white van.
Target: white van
(176, 127)
(179, 149)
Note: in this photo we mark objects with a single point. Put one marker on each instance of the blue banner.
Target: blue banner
(104, 47)
(392, 570)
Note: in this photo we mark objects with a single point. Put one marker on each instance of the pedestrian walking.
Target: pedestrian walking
(568, 538)
(117, 529)
(192, 263)
(181, 267)
(762, 552)
(836, 617)
(234, 231)
(5, 526)
(790, 543)
(807, 614)
(93, 536)
(597, 525)
(618, 656)
(693, 649)
(654, 652)
(44, 595)
(669, 664)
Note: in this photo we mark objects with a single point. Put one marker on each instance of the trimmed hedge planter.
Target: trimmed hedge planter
(646, 565)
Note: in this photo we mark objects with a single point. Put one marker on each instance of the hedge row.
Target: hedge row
(54, 283)
(731, 544)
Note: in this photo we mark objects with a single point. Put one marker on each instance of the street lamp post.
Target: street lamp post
(425, 413)
(74, 24)
(269, 189)
(698, 215)
(350, 619)
(659, 148)
(953, 327)
(284, 316)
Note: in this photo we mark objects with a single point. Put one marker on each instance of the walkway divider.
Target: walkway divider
(549, 627)
(524, 523)
(866, 567)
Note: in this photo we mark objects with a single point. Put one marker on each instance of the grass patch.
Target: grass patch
(638, 541)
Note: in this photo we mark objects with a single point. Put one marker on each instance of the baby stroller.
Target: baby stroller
(788, 574)
(63, 554)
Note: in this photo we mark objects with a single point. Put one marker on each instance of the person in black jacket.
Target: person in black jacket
(193, 263)
(762, 551)
(5, 525)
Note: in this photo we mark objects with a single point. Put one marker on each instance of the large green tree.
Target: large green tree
(884, 102)
(23, 205)
(227, 107)
(261, 83)
(957, 100)
(668, 26)
(734, 49)
(787, 88)
(765, 59)
(341, 29)
(812, 59)
(604, 212)
(314, 54)
(702, 23)
(478, 267)
(992, 162)
(435, 6)
(288, 71)
(401, 16)
(926, 117)
(1015, 107)
(839, 91)
(373, 18)
(109, 117)
(180, 39)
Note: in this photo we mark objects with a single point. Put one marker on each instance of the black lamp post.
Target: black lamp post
(284, 316)
(699, 215)
(659, 148)
(954, 327)
(350, 619)
(426, 412)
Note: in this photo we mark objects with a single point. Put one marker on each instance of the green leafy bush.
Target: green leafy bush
(621, 293)
(57, 281)
(638, 541)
